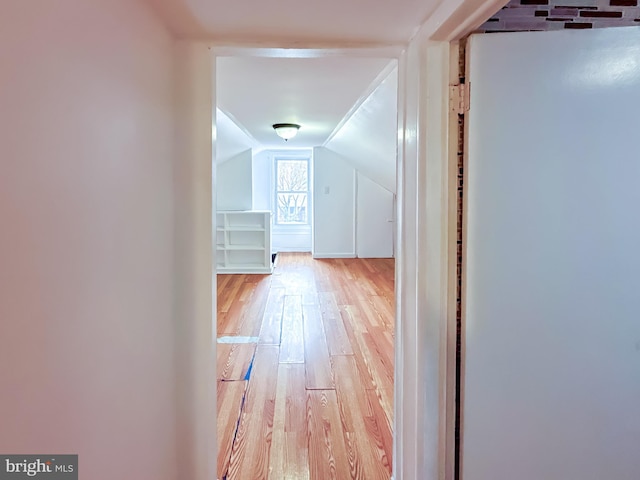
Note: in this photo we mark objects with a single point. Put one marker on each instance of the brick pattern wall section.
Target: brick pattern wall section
(542, 15)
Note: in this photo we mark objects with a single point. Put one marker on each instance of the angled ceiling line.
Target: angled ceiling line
(319, 91)
(244, 129)
(373, 86)
(358, 170)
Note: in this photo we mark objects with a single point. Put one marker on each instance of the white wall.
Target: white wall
(368, 139)
(352, 213)
(231, 140)
(234, 185)
(367, 142)
(374, 219)
(194, 284)
(296, 240)
(86, 204)
(262, 180)
(333, 206)
(552, 383)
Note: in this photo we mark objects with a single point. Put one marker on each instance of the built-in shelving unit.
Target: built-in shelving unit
(243, 241)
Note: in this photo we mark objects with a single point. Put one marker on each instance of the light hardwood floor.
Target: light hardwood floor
(310, 396)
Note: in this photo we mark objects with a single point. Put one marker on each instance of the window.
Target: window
(292, 191)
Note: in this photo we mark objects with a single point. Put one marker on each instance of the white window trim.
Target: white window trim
(301, 228)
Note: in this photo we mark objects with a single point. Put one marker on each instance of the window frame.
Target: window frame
(305, 157)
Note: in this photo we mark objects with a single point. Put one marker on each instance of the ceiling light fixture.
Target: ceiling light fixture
(286, 130)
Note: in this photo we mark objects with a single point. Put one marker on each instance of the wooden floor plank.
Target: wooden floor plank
(229, 403)
(222, 322)
(271, 327)
(368, 312)
(251, 446)
(292, 343)
(384, 438)
(233, 360)
(354, 329)
(384, 310)
(278, 441)
(295, 278)
(337, 338)
(316, 353)
(322, 276)
(289, 458)
(242, 304)
(352, 315)
(256, 305)
(379, 368)
(363, 436)
(228, 294)
(233, 319)
(327, 452)
(222, 282)
(382, 342)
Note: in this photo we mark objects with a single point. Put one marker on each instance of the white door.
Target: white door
(552, 364)
(374, 219)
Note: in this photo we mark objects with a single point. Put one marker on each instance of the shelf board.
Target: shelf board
(243, 247)
(243, 242)
(244, 228)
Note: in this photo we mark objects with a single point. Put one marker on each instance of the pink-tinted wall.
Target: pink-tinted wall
(86, 236)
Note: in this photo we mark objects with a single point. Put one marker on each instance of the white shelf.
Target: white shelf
(241, 228)
(243, 243)
(245, 228)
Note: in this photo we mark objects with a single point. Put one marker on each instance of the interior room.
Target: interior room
(305, 269)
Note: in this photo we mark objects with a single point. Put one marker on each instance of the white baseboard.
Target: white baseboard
(290, 249)
(334, 255)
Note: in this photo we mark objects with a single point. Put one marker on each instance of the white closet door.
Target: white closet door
(552, 380)
(374, 223)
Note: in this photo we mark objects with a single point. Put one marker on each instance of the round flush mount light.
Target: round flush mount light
(286, 130)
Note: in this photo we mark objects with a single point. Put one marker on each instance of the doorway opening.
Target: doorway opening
(305, 352)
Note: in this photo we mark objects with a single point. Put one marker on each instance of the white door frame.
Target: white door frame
(422, 342)
(425, 311)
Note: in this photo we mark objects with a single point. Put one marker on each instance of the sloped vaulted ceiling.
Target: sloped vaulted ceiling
(368, 138)
(317, 93)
